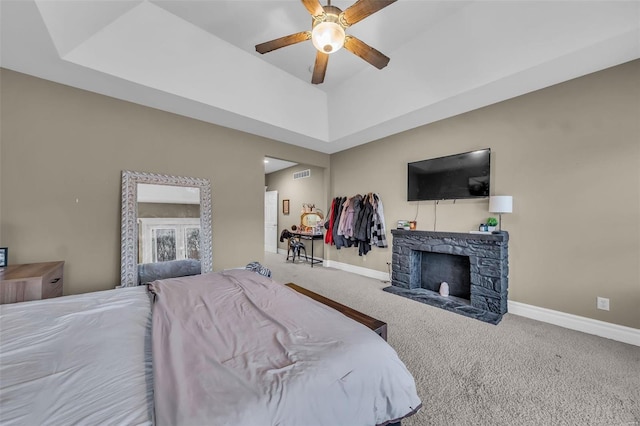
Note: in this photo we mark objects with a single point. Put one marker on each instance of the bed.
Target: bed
(229, 348)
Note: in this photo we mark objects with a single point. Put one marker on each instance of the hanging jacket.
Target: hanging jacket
(363, 224)
(350, 214)
(285, 235)
(336, 216)
(339, 238)
(363, 228)
(328, 237)
(378, 232)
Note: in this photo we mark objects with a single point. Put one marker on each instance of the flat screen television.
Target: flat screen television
(452, 177)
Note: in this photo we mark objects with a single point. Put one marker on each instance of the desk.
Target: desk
(311, 237)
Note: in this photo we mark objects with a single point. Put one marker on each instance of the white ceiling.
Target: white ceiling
(273, 165)
(197, 58)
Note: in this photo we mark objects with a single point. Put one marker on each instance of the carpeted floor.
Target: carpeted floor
(467, 372)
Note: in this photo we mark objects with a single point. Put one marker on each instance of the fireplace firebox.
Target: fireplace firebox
(475, 266)
(437, 268)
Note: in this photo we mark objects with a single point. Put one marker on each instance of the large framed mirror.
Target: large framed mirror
(177, 222)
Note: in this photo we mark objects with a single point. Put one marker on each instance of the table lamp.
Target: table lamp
(500, 204)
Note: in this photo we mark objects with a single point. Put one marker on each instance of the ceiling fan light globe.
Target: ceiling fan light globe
(328, 37)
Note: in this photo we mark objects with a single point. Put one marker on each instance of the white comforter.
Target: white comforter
(77, 360)
(236, 348)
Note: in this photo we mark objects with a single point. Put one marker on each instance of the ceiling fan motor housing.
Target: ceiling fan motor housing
(328, 33)
(328, 36)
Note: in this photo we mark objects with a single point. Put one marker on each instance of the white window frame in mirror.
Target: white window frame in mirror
(128, 226)
(147, 228)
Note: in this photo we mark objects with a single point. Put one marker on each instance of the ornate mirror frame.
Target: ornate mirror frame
(128, 224)
(305, 225)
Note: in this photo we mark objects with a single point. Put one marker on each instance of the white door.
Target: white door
(271, 221)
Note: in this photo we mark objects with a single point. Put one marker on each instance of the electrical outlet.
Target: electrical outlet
(603, 303)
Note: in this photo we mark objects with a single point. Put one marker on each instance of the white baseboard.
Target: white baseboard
(371, 273)
(366, 272)
(608, 330)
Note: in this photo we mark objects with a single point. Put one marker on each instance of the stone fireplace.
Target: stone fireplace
(476, 267)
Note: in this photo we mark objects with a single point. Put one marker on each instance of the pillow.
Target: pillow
(148, 272)
(259, 269)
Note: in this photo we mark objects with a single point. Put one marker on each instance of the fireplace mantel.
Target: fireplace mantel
(489, 270)
(497, 237)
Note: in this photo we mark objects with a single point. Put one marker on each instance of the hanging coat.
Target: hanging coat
(378, 232)
(328, 237)
(363, 226)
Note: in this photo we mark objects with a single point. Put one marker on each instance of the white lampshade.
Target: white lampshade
(328, 37)
(501, 204)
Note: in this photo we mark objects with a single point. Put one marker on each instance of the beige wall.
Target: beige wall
(570, 157)
(62, 153)
(311, 190)
(569, 154)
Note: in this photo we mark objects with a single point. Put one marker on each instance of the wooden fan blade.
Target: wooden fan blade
(268, 46)
(320, 68)
(361, 9)
(314, 7)
(366, 52)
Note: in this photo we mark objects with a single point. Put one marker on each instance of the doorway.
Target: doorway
(271, 203)
(271, 221)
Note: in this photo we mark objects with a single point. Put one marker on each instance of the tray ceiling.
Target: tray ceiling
(197, 58)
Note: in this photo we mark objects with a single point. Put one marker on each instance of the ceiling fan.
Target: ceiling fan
(328, 36)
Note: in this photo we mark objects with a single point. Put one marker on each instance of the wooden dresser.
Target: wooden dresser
(31, 281)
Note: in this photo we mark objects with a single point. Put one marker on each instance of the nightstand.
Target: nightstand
(31, 281)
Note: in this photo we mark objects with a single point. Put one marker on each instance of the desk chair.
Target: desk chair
(295, 245)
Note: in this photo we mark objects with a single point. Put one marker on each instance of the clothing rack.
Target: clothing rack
(357, 221)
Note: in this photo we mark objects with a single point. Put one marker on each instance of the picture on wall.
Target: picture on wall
(285, 206)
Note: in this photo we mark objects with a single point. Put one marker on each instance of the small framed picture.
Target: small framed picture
(4, 256)
(285, 206)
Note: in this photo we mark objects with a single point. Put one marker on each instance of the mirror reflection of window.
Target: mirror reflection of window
(164, 245)
(164, 239)
(193, 243)
(168, 223)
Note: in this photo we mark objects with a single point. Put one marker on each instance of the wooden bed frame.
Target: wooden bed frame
(374, 324)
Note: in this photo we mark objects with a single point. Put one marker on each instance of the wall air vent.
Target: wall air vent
(301, 175)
